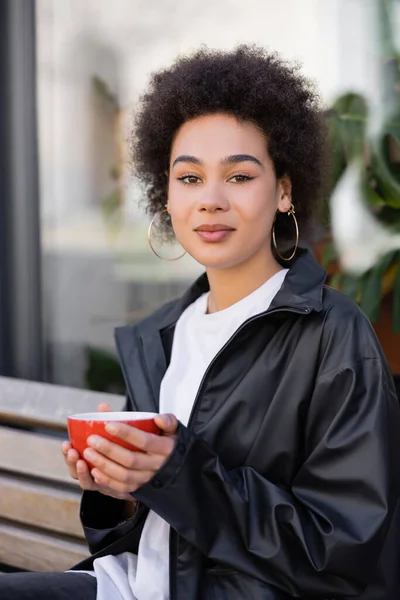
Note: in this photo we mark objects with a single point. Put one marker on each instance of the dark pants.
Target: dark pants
(47, 586)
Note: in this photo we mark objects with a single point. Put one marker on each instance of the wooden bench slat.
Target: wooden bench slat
(46, 405)
(40, 506)
(33, 454)
(39, 501)
(33, 551)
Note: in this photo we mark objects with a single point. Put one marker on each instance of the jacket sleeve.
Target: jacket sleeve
(104, 522)
(322, 536)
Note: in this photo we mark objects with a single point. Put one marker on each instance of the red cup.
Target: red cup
(81, 426)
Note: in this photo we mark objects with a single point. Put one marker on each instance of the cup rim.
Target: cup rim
(122, 416)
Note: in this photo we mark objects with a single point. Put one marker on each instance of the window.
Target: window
(93, 61)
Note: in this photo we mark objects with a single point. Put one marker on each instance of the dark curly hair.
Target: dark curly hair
(253, 85)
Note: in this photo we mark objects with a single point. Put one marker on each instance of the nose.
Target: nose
(213, 199)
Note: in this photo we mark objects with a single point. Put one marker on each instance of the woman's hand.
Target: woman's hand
(122, 471)
(79, 470)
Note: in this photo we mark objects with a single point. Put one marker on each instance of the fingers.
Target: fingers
(65, 446)
(119, 480)
(79, 470)
(88, 483)
(167, 423)
(71, 457)
(102, 450)
(104, 407)
(148, 442)
(118, 471)
(83, 475)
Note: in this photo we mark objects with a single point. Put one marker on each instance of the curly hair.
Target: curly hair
(253, 85)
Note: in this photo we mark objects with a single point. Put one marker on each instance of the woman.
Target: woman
(277, 474)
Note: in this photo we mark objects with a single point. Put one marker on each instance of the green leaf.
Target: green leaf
(351, 286)
(111, 203)
(386, 18)
(371, 296)
(337, 158)
(104, 91)
(115, 172)
(351, 115)
(387, 173)
(372, 292)
(396, 301)
(373, 198)
(336, 280)
(393, 129)
(329, 254)
(103, 372)
(390, 217)
(346, 127)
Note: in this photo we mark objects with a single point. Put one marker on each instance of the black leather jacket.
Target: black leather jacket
(286, 481)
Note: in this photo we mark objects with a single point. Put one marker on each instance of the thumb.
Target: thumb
(104, 407)
(167, 423)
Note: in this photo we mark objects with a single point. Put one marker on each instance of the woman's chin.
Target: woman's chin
(214, 259)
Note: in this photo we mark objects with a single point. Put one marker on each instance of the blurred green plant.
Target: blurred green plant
(112, 204)
(349, 139)
(103, 373)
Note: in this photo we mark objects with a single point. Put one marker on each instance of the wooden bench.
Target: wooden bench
(39, 503)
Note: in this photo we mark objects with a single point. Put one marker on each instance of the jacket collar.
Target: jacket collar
(302, 290)
(304, 284)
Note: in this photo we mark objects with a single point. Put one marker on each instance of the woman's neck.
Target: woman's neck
(228, 286)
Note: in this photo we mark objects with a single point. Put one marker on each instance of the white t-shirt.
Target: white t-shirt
(198, 338)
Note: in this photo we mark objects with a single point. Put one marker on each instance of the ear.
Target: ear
(284, 193)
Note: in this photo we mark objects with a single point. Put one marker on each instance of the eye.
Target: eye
(189, 179)
(240, 178)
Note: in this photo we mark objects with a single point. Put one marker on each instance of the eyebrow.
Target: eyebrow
(233, 159)
(186, 158)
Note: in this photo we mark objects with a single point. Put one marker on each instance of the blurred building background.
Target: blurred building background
(74, 260)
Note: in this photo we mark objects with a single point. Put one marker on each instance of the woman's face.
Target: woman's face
(223, 193)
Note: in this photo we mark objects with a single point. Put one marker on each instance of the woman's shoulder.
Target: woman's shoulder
(165, 315)
(346, 329)
(338, 305)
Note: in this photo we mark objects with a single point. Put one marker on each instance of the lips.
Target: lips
(214, 233)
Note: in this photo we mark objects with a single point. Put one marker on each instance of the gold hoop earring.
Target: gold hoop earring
(150, 242)
(290, 213)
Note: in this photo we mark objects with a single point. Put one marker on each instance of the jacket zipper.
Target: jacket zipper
(200, 391)
(196, 405)
(216, 357)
